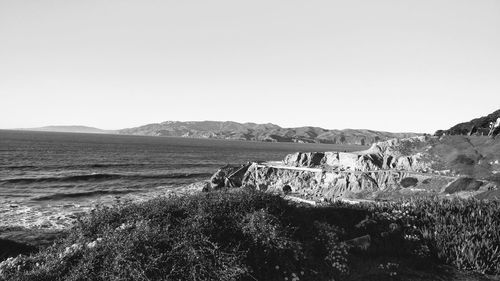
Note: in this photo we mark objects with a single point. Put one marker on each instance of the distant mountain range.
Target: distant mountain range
(71, 129)
(241, 131)
(261, 132)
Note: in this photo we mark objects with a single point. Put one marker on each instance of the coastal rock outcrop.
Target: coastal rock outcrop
(332, 184)
(228, 176)
(390, 154)
(385, 167)
(391, 168)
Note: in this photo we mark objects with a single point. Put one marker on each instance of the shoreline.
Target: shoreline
(25, 229)
(61, 215)
(396, 228)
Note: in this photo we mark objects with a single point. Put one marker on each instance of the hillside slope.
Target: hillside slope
(477, 126)
(262, 132)
(420, 166)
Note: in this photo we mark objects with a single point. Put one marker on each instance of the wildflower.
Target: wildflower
(92, 244)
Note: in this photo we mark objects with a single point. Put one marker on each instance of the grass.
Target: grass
(466, 155)
(250, 235)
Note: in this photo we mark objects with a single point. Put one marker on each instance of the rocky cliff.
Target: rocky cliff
(395, 168)
(262, 132)
(383, 169)
(383, 155)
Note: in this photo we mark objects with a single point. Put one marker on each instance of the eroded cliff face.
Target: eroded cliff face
(393, 154)
(330, 185)
(387, 169)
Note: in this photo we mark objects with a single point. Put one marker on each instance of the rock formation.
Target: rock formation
(381, 156)
(394, 167)
(228, 176)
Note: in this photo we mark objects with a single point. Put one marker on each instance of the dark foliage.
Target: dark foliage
(463, 159)
(249, 235)
(475, 126)
(463, 184)
(409, 181)
(10, 248)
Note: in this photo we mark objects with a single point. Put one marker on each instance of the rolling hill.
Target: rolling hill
(477, 126)
(261, 132)
(71, 129)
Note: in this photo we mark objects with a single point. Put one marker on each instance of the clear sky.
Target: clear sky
(390, 65)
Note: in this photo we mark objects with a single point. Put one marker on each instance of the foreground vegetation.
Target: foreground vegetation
(249, 235)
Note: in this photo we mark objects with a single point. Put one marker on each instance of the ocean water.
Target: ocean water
(46, 177)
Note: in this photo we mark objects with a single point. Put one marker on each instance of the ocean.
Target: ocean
(46, 178)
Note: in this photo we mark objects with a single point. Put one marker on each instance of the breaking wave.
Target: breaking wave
(58, 196)
(103, 177)
(109, 165)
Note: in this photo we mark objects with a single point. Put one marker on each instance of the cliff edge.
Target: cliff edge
(418, 166)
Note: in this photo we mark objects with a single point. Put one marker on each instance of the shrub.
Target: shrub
(463, 184)
(409, 181)
(463, 159)
(464, 233)
(243, 235)
(249, 235)
(328, 244)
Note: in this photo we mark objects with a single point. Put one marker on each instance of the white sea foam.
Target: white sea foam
(62, 215)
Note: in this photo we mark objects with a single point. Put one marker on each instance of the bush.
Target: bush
(409, 181)
(243, 235)
(250, 235)
(463, 159)
(463, 184)
(464, 233)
